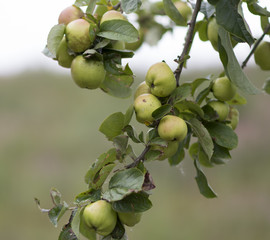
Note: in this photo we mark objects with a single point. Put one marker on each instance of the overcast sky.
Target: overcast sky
(25, 24)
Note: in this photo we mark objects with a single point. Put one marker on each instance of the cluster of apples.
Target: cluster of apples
(100, 218)
(79, 30)
(159, 83)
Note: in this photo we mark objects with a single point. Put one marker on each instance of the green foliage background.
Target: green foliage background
(49, 137)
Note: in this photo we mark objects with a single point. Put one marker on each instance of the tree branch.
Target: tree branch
(188, 41)
(266, 30)
(139, 158)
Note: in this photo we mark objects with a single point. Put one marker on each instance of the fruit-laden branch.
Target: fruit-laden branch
(266, 30)
(188, 41)
(139, 158)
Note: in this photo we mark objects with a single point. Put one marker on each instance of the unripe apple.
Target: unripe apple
(63, 57)
(262, 55)
(212, 33)
(70, 14)
(87, 231)
(78, 37)
(112, 15)
(224, 89)
(221, 108)
(172, 128)
(184, 10)
(129, 218)
(142, 89)
(100, 216)
(117, 45)
(160, 79)
(101, 9)
(233, 117)
(144, 106)
(133, 46)
(87, 73)
(166, 151)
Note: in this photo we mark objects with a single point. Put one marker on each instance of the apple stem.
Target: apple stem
(188, 41)
(266, 30)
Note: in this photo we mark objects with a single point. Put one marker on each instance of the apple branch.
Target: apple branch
(139, 158)
(266, 30)
(188, 41)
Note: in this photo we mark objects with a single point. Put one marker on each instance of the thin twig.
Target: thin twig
(139, 158)
(188, 41)
(266, 30)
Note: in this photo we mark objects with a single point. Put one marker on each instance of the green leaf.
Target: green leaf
(75, 223)
(181, 92)
(67, 233)
(203, 135)
(203, 94)
(117, 85)
(119, 30)
(82, 3)
(161, 111)
(95, 175)
(159, 141)
(231, 65)
(256, 9)
(172, 12)
(121, 143)
(178, 156)
(152, 155)
(202, 183)
(57, 212)
(237, 100)
(119, 230)
(213, 2)
(112, 126)
(124, 183)
(47, 53)
(135, 202)
(129, 114)
(191, 106)
(228, 17)
(102, 44)
(222, 134)
(56, 196)
(196, 83)
(91, 195)
(91, 6)
(132, 134)
(203, 158)
(266, 86)
(219, 154)
(130, 6)
(209, 113)
(55, 36)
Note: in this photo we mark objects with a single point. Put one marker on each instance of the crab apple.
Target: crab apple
(262, 55)
(184, 10)
(112, 15)
(87, 73)
(142, 89)
(212, 33)
(221, 108)
(160, 79)
(166, 151)
(172, 128)
(223, 89)
(233, 117)
(78, 37)
(70, 14)
(101, 9)
(62, 55)
(144, 106)
(130, 219)
(100, 216)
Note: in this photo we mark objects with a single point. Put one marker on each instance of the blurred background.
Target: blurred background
(49, 137)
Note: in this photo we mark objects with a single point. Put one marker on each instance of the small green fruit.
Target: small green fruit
(112, 15)
(184, 10)
(166, 151)
(221, 108)
(87, 73)
(262, 55)
(172, 128)
(212, 33)
(142, 89)
(160, 79)
(144, 106)
(224, 89)
(233, 117)
(78, 37)
(100, 216)
(101, 9)
(133, 46)
(70, 14)
(63, 57)
(129, 218)
(117, 45)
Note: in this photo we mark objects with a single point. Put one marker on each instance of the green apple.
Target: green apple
(117, 45)
(144, 106)
(87, 73)
(221, 108)
(70, 14)
(233, 117)
(166, 151)
(63, 57)
(142, 89)
(78, 37)
(223, 89)
(184, 10)
(130, 219)
(160, 79)
(133, 46)
(112, 15)
(172, 128)
(212, 33)
(262, 55)
(100, 216)
(101, 9)
(87, 231)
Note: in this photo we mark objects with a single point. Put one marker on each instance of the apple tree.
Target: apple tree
(197, 117)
